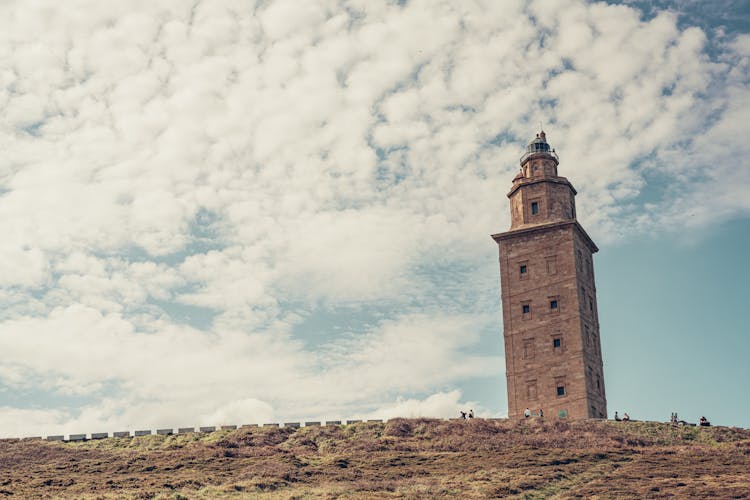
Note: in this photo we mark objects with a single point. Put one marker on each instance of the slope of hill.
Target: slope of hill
(403, 458)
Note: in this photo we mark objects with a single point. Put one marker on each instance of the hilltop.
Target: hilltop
(403, 458)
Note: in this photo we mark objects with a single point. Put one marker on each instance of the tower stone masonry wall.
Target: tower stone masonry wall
(551, 328)
(554, 198)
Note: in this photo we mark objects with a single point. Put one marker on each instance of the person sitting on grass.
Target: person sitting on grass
(527, 413)
(617, 417)
(471, 413)
(704, 422)
(625, 417)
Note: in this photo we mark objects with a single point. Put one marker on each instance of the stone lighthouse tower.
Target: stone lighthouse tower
(552, 351)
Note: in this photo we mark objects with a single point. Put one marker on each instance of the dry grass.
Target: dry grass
(416, 458)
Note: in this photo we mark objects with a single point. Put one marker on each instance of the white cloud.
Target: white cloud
(25, 267)
(18, 422)
(411, 353)
(171, 374)
(235, 411)
(347, 155)
(441, 405)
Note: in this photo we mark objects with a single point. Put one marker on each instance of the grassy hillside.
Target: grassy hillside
(404, 458)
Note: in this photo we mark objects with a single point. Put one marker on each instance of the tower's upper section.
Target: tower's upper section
(539, 195)
(538, 148)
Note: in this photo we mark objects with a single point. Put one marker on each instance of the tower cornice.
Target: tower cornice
(537, 180)
(543, 227)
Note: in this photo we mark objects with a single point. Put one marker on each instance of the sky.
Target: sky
(227, 212)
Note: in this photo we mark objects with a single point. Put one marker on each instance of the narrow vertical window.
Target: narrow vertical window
(534, 208)
(553, 304)
(531, 390)
(557, 343)
(528, 349)
(551, 264)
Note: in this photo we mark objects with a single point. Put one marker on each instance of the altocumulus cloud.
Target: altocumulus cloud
(186, 186)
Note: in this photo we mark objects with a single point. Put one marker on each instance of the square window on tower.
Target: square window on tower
(554, 304)
(556, 343)
(534, 208)
(560, 386)
(523, 270)
(526, 310)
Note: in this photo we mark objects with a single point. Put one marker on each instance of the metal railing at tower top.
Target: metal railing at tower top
(539, 151)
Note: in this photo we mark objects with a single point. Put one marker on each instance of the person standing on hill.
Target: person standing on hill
(541, 413)
(471, 413)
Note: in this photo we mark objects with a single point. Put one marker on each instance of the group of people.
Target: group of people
(465, 415)
(527, 413)
(675, 420)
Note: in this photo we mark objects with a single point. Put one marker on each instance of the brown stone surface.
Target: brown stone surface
(550, 318)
